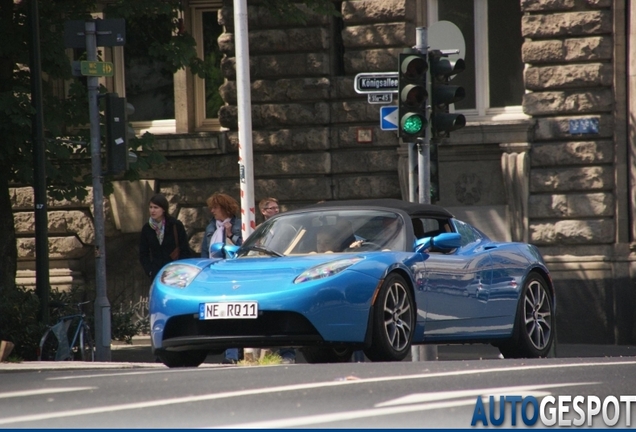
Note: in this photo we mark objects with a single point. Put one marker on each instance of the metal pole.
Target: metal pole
(42, 283)
(412, 171)
(244, 102)
(425, 352)
(102, 306)
(424, 174)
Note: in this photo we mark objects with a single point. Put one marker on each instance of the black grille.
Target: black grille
(266, 325)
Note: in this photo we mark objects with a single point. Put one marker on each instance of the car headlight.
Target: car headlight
(326, 270)
(179, 275)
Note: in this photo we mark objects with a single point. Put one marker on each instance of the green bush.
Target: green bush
(19, 321)
(124, 324)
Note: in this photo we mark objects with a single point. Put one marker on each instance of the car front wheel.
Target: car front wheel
(533, 334)
(393, 321)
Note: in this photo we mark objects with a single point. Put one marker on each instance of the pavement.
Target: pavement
(138, 355)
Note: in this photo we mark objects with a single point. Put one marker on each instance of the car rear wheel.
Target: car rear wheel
(174, 359)
(327, 355)
(393, 321)
(533, 334)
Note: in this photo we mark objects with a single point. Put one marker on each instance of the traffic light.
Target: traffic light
(412, 94)
(118, 133)
(443, 94)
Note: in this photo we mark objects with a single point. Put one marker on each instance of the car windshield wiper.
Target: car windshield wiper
(265, 250)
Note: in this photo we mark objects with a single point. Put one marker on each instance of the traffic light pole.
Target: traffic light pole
(102, 306)
(423, 352)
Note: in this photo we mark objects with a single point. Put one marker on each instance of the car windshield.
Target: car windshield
(326, 231)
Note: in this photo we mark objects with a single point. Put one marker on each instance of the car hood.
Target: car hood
(257, 268)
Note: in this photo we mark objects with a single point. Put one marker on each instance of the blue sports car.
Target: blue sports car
(372, 275)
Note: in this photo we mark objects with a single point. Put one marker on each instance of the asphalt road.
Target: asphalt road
(433, 394)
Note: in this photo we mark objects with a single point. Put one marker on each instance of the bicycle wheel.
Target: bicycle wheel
(48, 347)
(85, 348)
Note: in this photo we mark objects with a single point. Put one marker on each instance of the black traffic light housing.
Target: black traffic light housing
(118, 133)
(443, 94)
(412, 94)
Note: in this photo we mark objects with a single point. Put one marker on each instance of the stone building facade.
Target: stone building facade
(558, 176)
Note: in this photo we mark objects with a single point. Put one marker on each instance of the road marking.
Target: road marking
(532, 390)
(38, 392)
(435, 400)
(110, 375)
(351, 415)
(294, 387)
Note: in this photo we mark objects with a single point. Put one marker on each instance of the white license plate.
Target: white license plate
(228, 310)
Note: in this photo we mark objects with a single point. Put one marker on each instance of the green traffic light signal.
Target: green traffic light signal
(412, 94)
(412, 124)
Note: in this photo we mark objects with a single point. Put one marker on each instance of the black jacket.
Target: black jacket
(152, 255)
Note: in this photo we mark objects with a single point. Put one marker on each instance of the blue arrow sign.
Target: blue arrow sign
(389, 118)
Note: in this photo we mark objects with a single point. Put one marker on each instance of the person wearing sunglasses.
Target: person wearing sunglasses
(268, 207)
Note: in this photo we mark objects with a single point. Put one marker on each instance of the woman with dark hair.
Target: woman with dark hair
(163, 239)
(225, 226)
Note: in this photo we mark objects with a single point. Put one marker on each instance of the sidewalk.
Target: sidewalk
(138, 355)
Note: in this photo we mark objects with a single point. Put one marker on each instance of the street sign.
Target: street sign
(381, 82)
(389, 118)
(380, 98)
(108, 32)
(96, 68)
(584, 126)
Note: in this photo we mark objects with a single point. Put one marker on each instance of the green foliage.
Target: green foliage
(124, 325)
(19, 322)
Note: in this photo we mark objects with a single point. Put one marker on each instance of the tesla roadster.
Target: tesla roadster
(372, 275)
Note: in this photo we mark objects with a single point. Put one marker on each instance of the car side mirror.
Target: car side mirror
(422, 244)
(441, 241)
(447, 241)
(221, 250)
(230, 250)
(216, 250)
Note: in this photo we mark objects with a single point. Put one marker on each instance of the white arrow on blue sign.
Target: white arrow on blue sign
(389, 118)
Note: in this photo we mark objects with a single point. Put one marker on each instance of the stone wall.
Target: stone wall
(572, 207)
(569, 71)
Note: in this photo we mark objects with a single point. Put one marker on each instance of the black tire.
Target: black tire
(48, 347)
(393, 321)
(534, 328)
(86, 346)
(174, 359)
(327, 355)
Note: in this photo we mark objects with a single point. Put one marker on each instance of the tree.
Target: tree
(66, 115)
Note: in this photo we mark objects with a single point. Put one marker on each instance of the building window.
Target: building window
(206, 31)
(149, 83)
(493, 78)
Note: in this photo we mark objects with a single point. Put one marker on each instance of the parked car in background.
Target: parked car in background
(372, 275)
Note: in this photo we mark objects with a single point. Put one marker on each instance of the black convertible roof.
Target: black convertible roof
(412, 209)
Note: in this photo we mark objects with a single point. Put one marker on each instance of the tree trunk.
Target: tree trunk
(8, 246)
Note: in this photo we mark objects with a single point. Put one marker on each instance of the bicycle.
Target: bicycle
(56, 343)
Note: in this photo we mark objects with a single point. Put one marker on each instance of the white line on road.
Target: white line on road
(295, 387)
(350, 415)
(434, 400)
(38, 392)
